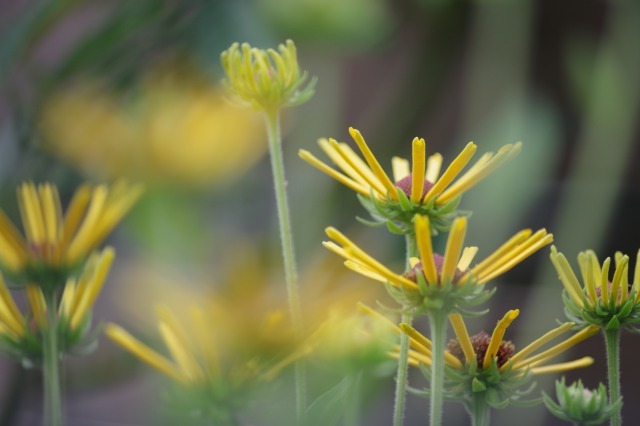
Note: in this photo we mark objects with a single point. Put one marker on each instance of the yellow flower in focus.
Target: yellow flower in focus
(266, 80)
(175, 127)
(57, 242)
(416, 189)
(431, 272)
(483, 369)
(610, 304)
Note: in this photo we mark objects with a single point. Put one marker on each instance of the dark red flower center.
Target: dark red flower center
(412, 274)
(405, 185)
(480, 344)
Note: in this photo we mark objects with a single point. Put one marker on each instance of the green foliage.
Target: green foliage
(607, 315)
(447, 297)
(474, 385)
(398, 215)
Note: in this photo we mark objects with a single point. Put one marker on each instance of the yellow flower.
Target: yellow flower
(436, 271)
(196, 357)
(266, 80)
(491, 366)
(422, 183)
(57, 242)
(74, 310)
(173, 127)
(598, 300)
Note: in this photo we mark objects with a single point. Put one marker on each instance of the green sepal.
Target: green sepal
(613, 324)
(477, 385)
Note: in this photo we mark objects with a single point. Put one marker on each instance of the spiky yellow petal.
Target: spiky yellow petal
(142, 351)
(460, 330)
(498, 334)
(453, 249)
(418, 169)
(423, 240)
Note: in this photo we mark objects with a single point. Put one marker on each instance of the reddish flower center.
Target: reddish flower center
(412, 274)
(405, 185)
(480, 344)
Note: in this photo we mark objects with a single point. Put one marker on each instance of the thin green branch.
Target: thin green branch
(286, 237)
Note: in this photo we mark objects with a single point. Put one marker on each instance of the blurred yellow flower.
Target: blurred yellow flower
(196, 355)
(55, 242)
(21, 332)
(246, 282)
(175, 127)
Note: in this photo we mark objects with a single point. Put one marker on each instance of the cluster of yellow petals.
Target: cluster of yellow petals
(59, 240)
(367, 176)
(521, 361)
(265, 79)
(595, 277)
(77, 299)
(514, 251)
(196, 355)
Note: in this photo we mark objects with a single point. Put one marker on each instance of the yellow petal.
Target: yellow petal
(538, 343)
(498, 334)
(142, 351)
(452, 171)
(453, 249)
(460, 330)
(418, 169)
(373, 163)
(423, 239)
(400, 167)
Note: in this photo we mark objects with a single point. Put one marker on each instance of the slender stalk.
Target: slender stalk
(272, 119)
(438, 324)
(403, 360)
(480, 411)
(612, 342)
(51, 366)
(412, 249)
(402, 374)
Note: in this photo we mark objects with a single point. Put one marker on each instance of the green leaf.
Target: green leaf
(328, 408)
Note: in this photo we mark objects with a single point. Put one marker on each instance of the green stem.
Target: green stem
(402, 374)
(51, 366)
(612, 342)
(286, 237)
(480, 411)
(438, 323)
(412, 249)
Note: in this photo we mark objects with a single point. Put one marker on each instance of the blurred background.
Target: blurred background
(104, 89)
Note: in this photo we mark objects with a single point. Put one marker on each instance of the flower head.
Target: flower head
(173, 127)
(22, 333)
(419, 189)
(607, 303)
(214, 376)
(580, 405)
(440, 282)
(55, 244)
(266, 80)
(492, 367)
